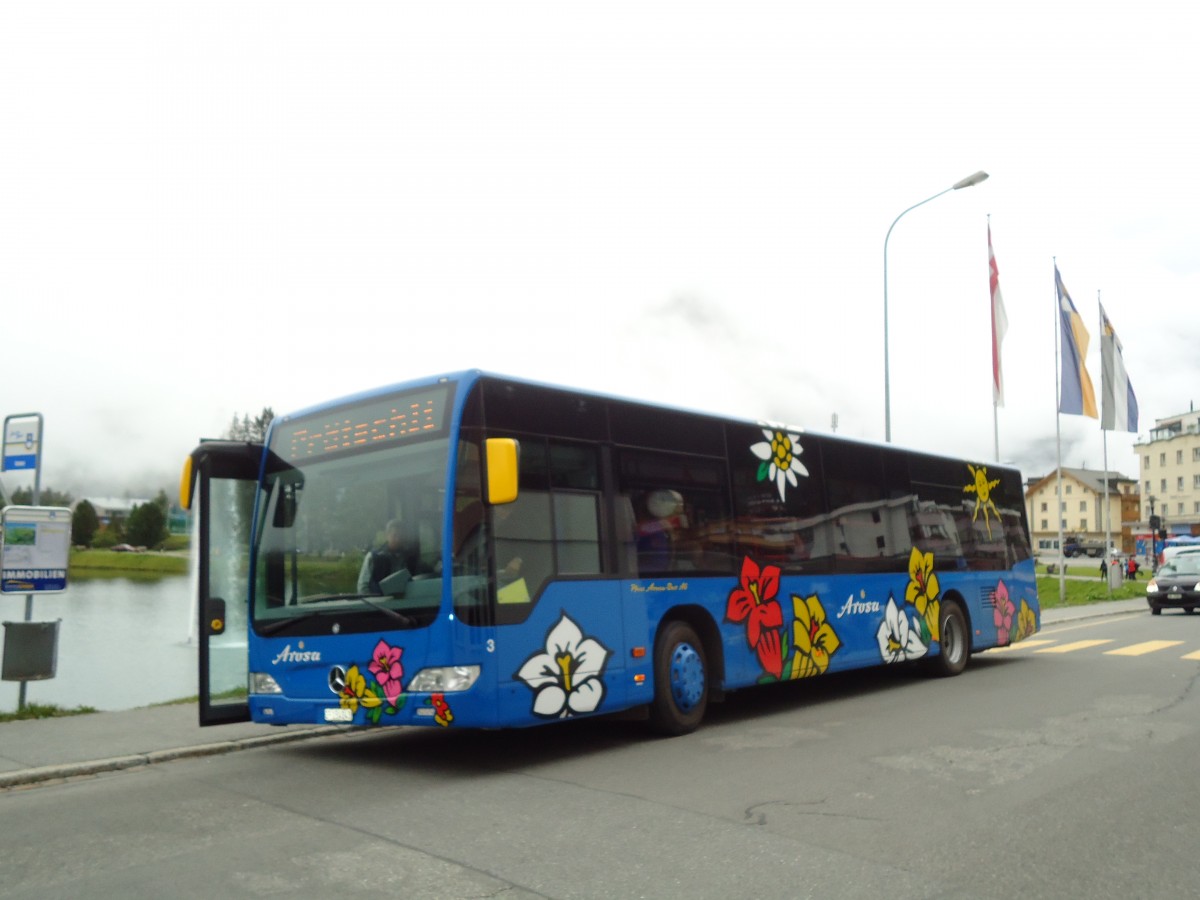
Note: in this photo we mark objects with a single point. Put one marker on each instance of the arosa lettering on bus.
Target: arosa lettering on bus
(287, 655)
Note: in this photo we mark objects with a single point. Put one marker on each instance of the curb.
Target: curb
(1069, 614)
(116, 763)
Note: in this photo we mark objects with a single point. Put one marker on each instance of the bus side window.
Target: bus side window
(778, 521)
(577, 533)
(524, 544)
(626, 529)
(680, 517)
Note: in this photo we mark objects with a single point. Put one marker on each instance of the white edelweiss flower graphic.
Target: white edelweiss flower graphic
(565, 678)
(897, 640)
(780, 454)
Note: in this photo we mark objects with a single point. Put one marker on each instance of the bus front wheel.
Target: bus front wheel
(955, 641)
(680, 680)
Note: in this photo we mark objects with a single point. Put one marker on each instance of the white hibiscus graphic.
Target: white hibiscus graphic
(780, 454)
(897, 640)
(565, 678)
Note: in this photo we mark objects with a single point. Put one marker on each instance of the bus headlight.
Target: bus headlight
(262, 683)
(444, 679)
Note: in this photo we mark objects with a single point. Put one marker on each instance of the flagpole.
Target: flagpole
(996, 377)
(1107, 508)
(1107, 514)
(1062, 574)
(995, 349)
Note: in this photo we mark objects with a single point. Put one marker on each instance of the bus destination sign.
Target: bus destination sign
(393, 419)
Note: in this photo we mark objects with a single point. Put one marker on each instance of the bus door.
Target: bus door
(219, 483)
(561, 635)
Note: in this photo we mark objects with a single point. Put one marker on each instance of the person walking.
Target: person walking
(1103, 570)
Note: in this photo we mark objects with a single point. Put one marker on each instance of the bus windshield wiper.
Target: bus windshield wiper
(279, 625)
(374, 604)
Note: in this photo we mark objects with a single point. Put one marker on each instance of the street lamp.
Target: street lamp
(887, 381)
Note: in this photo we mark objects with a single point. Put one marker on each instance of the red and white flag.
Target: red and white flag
(999, 325)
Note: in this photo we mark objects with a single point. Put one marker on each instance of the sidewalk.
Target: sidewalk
(38, 750)
(35, 750)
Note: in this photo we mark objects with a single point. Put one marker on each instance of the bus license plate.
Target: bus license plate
(339, 715)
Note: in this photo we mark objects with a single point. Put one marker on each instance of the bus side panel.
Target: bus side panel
(780, 628)
(569, 658)
(1003, 607)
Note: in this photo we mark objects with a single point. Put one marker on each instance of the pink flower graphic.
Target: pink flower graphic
(385, 666)
(1002, 612)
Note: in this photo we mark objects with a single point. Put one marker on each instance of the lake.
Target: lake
(121, 643)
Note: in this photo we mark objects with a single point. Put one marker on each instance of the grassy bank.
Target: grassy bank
(44, 711)
(1082, 591)
(95, 563)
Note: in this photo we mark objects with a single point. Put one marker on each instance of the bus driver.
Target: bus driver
(401, 552)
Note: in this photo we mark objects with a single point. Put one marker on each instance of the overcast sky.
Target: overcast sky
(207, 208)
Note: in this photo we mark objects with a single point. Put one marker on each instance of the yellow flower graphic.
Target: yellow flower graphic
(1027, 624)
(813, 637)
(356, 692)
(982, 489)
(923, 589)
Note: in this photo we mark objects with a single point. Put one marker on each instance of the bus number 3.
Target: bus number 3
(491, 645)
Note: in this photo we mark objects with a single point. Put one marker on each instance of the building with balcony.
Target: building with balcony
(1081, 512)
(1169, 464)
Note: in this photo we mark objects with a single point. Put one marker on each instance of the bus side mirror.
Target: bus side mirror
(502, 457)
(186, 484)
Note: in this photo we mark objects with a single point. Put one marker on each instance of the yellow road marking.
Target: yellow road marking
(1195, 655)
(1021, 646)
(1142, 648)
(1077, 645)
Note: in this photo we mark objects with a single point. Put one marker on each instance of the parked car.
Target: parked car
(1176, 585)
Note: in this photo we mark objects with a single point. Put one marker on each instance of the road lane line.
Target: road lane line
(1076, 645)
(1143, 648)
(1023, 645)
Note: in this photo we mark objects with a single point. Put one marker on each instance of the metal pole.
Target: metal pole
(37, 499)
(1058, 514)
(887, 379)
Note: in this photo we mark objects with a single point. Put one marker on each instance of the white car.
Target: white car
(1169, 552)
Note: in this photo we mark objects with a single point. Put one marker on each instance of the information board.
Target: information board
(34, 549)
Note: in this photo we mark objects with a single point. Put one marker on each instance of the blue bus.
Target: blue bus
(471, 550)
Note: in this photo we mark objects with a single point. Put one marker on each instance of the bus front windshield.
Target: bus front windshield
(352, 543)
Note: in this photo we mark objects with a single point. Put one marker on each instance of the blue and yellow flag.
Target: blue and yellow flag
(1076, 396)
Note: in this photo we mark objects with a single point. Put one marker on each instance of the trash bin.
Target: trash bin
(30, 651)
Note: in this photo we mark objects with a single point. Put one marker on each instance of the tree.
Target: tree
(248, 429)
(146, 525)
(46, 497)
(84, 524)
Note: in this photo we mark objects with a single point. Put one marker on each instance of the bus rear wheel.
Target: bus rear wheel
(680, 680)
(955, 643)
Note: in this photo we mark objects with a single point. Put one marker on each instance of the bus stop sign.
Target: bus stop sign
(21, 436)
(34, 549)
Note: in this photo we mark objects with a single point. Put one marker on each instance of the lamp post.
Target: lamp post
(887, 381)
